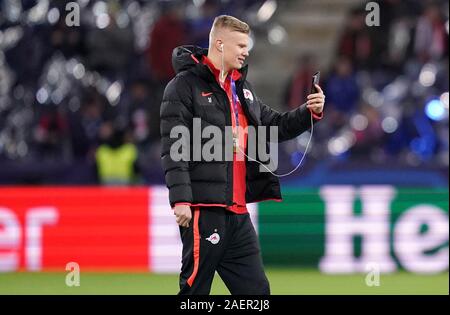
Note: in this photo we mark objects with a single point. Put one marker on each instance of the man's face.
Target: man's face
(235, 49)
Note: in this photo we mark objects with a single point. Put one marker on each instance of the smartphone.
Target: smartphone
(315, 80)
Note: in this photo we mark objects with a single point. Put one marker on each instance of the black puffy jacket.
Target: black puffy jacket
(201, 182)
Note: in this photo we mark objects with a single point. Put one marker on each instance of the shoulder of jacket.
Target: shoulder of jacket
(186, 77)
(247, 85)
(179, 83)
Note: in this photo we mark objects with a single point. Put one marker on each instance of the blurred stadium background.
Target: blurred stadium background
(79, 120)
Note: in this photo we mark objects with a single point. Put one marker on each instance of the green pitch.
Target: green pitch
(283, 281)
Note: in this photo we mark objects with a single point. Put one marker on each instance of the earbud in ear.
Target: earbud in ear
(221, 47)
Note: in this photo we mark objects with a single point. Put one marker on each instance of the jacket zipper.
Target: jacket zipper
(229, 192)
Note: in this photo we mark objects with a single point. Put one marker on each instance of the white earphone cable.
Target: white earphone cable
(299, 163)
(222, 74)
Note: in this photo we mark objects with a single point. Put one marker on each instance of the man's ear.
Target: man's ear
(219, 46)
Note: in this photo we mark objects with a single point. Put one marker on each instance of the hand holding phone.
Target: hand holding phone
(315, 80)
(316, 99)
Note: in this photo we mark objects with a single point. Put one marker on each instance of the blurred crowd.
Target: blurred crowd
(387, 91)
(88, 97)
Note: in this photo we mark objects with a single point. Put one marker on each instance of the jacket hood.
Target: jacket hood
(184, 57)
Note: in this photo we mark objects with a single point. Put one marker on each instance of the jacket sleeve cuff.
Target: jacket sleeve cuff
(316, 116)
(182, 204)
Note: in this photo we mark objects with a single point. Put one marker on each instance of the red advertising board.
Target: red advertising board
(101, 229)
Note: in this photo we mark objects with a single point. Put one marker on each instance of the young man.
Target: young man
(209, 197)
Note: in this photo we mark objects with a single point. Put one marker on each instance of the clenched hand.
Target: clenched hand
(183, 214)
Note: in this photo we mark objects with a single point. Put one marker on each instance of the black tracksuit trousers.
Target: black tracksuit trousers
(220, 240)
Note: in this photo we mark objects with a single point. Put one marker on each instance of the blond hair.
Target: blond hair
(228, 22)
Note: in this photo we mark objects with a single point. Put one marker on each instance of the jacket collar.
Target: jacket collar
(235, 75)
(190, 57)
(209, 72)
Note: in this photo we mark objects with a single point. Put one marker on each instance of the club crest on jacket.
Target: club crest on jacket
(214, 238)
(248, 95)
